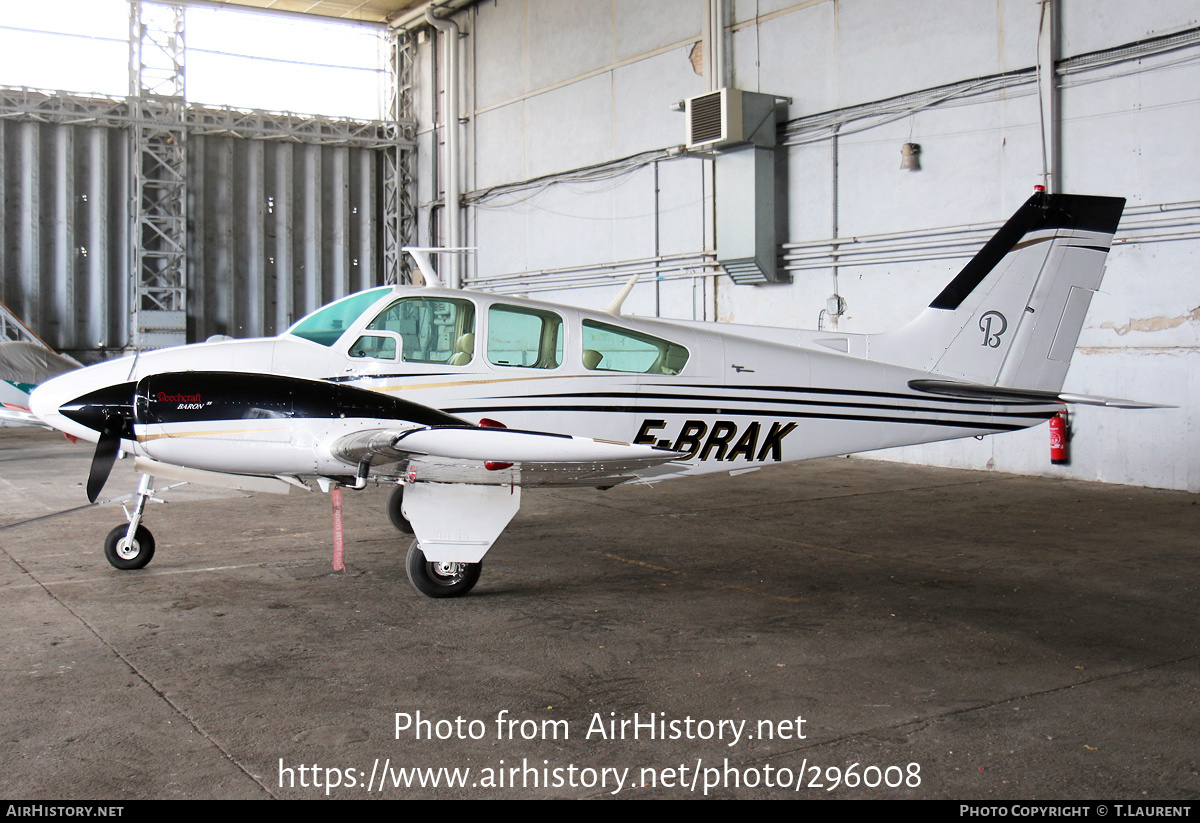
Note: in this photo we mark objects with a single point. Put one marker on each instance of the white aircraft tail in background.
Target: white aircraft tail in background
(24, 365)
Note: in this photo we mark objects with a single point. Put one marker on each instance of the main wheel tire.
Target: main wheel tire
(125, 556)
(440, 579)
(395, 511)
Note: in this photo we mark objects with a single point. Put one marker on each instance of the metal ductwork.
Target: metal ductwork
(740, 127)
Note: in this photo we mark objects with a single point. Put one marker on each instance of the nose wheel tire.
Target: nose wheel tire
(440, 579)
(125, 555)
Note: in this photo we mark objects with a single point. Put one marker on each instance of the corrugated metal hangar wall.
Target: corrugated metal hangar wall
(572, 178)
(275, 229)
(150, 220)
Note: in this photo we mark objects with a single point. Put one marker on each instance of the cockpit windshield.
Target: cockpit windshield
(326, 325)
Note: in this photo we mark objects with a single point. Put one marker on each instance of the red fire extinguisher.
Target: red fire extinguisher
(1060, 434)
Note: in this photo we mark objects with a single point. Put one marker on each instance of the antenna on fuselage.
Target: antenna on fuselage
(615, 306)
(420, 254)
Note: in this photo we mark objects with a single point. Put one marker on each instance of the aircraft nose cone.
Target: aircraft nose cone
(103, 408)
(44, 401)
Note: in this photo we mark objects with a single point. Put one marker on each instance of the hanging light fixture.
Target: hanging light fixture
(910, 157)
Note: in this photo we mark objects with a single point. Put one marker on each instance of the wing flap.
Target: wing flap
(452, 454)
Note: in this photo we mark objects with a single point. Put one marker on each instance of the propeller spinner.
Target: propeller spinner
(108, 411)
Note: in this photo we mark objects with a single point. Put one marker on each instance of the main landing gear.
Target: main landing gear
(440, 579)
(429, 578)
(132, 547)
(395, 511)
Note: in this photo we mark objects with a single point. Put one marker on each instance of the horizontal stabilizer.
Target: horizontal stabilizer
(975, 391)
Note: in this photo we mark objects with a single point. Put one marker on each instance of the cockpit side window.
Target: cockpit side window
(524, 337)
(610, 348)
(432, 329)
(326, 325)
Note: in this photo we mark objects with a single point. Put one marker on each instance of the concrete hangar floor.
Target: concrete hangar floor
(835, 629)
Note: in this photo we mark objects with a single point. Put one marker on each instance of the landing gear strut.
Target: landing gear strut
(440, 579)
(132, 547)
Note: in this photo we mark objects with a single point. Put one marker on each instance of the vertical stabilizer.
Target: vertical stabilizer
(1012, 316)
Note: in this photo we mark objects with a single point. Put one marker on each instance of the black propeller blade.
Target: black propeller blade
(107, 448)
(109, 411)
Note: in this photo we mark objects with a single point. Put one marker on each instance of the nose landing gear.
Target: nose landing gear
(132, 547)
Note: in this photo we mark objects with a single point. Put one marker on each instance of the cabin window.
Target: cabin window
(374, 347)
(326, 325)
(524, 337)
(610, 348)
(432, 329)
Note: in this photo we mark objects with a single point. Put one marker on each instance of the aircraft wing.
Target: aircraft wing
(498, 456)
(19, 415)
(976, 391)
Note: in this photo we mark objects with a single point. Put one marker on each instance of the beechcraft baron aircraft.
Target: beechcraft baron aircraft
(462, 399)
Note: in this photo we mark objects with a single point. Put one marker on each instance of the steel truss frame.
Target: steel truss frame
(399, 176)
(159, 121)
(158, 176)
(64, 108)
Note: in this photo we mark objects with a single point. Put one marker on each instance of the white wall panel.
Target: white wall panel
(643, 92)
(498, 157)
(810, 169)
(570, 126)
(1137, 135)
(568, 38)
(1091, 26)
(570, 226)
(1017, 24)
(633, 230)
(502, 237)
(744, 10)
(500, 56)
(791, 55)
(641, 27)
(887, 48)
(1149, 301)
(683, 203)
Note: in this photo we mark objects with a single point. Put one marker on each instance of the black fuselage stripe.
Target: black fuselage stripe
(778, 401)
(841, 392)
(726, 412)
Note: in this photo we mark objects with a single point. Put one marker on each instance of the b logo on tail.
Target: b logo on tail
(992, 339)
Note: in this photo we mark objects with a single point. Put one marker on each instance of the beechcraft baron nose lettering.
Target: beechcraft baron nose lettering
(462, 399)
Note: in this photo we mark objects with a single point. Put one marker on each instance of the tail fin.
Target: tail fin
(1012, 316)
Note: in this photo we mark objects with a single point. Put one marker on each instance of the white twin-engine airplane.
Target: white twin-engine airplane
(461, 399)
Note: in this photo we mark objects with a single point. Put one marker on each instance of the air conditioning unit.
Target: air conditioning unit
(728, 117)
(739, 128)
